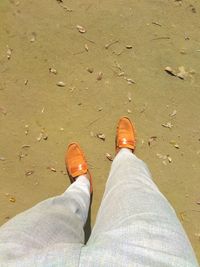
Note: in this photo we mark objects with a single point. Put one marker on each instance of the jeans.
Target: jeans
(135, 226)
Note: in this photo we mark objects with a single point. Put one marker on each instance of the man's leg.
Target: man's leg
(136, 226)
(54, 221)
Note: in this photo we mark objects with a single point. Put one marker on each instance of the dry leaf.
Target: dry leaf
(27, 129)
(173, 113)
(39, 137)
(182, 215)
(26, 146)
(129, 97)
(109, 157)
(169, 159)
(61, 84)
(120, 74)
(129, 46)
(9, 52)
(86, 47)
(174, 143)
(51, 169)
(182, 74)
(101, 136)
(52, 70)
(152, 139)
(167, 125)
(99, 76)
(12, 199)
(111, 43)
(170, 71)
(33, 37)
(160, 156)
(130, 81)
(28, 173)
(90, 70)
(45, 136)
(80, 28)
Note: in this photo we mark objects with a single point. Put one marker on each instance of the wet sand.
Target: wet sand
(126, 41)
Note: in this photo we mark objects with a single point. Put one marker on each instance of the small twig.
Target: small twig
(196, 210)
(111, 43)
(91, 41)
(156, 23)
(60, 2)
(92, 122)
(119, 53)
(162, 38)
(78, 53)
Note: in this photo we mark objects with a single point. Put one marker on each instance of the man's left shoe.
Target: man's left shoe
(76, 163)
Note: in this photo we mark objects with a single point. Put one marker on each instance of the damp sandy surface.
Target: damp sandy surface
(115, 67)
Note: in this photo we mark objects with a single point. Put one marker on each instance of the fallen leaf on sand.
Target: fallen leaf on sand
(170, 71)
(129, 97)
(129, 46)
(169, 159)
(9, 52)
(80, 28)
(152, 139)
(99, 76)
(12, 199)
(26, 129)
(86, 47)
(198, 202)
(101, 136)
(90, 70)
(109, 157)
(26, 146)
(182, 215)
(182, 74)
(164, 158)
(51, 169)
(28, 173)
(130, 81)
(160, 156)
(33, 37)
(61, 84)
(167, 125)
(111, 43)
(39, 137)
(52, 70)
(173, 113)
(174, 143)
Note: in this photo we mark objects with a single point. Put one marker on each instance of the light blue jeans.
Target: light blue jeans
(135, 226)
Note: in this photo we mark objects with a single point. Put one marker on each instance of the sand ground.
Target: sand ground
(125, 42)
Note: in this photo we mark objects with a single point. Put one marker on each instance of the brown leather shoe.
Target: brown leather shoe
(76, 164)
(126, 135)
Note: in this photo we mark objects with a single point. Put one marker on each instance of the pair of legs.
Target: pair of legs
(135, 226)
